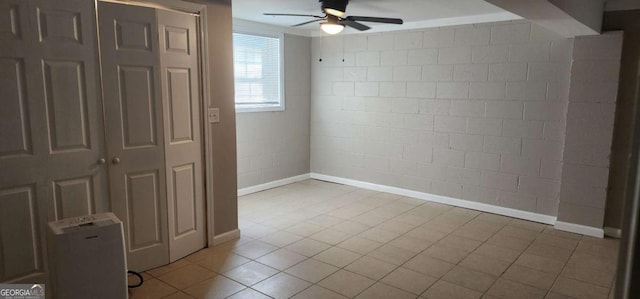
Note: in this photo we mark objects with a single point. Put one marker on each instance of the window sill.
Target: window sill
(259, 109)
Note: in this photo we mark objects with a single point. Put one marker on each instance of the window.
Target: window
(257, 62)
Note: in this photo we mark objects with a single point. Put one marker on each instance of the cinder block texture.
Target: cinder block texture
(480, 112)
(589, 128)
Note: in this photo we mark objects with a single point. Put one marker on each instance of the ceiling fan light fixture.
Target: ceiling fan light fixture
(334, 12)
(331, 28)
(332, 25)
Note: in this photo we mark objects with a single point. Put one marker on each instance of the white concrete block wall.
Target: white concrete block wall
(275, 145)
(589, 131)
(470, 112)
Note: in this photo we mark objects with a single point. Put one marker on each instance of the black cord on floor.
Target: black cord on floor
(139, 277)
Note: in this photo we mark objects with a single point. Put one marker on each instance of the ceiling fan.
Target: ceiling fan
(335, 19)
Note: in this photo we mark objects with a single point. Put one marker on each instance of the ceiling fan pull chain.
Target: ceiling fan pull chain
(321, 46)
(343, 41)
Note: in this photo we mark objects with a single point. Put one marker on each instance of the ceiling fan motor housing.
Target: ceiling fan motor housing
(339, 5)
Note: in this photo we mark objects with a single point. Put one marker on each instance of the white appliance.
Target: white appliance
(86, 257)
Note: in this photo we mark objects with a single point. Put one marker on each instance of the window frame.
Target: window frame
(266, 108)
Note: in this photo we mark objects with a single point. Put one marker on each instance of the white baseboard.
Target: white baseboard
(580, 229)
(226, 237)
(274, 184)
(530, 216)
(613, 232)
(441, 199)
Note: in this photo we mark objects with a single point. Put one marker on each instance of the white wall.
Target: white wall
(470, 112)
(275, 145)
(590, 119)
(220, 68)
(568, 18)
(475, 112)
(587, 12)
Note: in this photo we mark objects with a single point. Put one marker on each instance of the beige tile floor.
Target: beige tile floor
(321, 240)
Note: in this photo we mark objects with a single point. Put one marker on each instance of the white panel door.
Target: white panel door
(69, 88)
(21, 151)
(50, 127)
(182, 132)
(133, 109)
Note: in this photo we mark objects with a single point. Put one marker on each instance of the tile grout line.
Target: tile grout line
(333, 195)
(434, 243)
(564, 265)
(363, 255)
(511, 264)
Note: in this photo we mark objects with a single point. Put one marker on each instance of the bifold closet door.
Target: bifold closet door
(21, 151)
(183, 137)
(152, 107)
(134, 121)
(50, 127)
(68, 82)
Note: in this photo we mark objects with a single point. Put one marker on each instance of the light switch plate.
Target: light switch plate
(213, 115)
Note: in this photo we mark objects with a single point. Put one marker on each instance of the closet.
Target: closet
(100, 110)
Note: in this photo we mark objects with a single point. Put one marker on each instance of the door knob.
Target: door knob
(101, 161)
(115, 160)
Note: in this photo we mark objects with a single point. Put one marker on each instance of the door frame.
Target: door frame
(205, 91)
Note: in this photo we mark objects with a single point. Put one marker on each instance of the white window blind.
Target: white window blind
(257, 72)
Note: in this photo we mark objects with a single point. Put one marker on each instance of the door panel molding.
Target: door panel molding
(15, 130)
(73, 197)
(184, 187)
(177, 39)
(132, 35)
(180, 104)
(64, 86)
(57, 25)
(144, 216)
(137, 106)
(10, 27)
(20, 252)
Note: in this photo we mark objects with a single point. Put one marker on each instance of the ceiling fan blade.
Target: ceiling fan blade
(375, 19)
(291, 15)
(305, 23)
(354, 24)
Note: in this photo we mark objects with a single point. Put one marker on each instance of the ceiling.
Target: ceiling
(416, 13)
